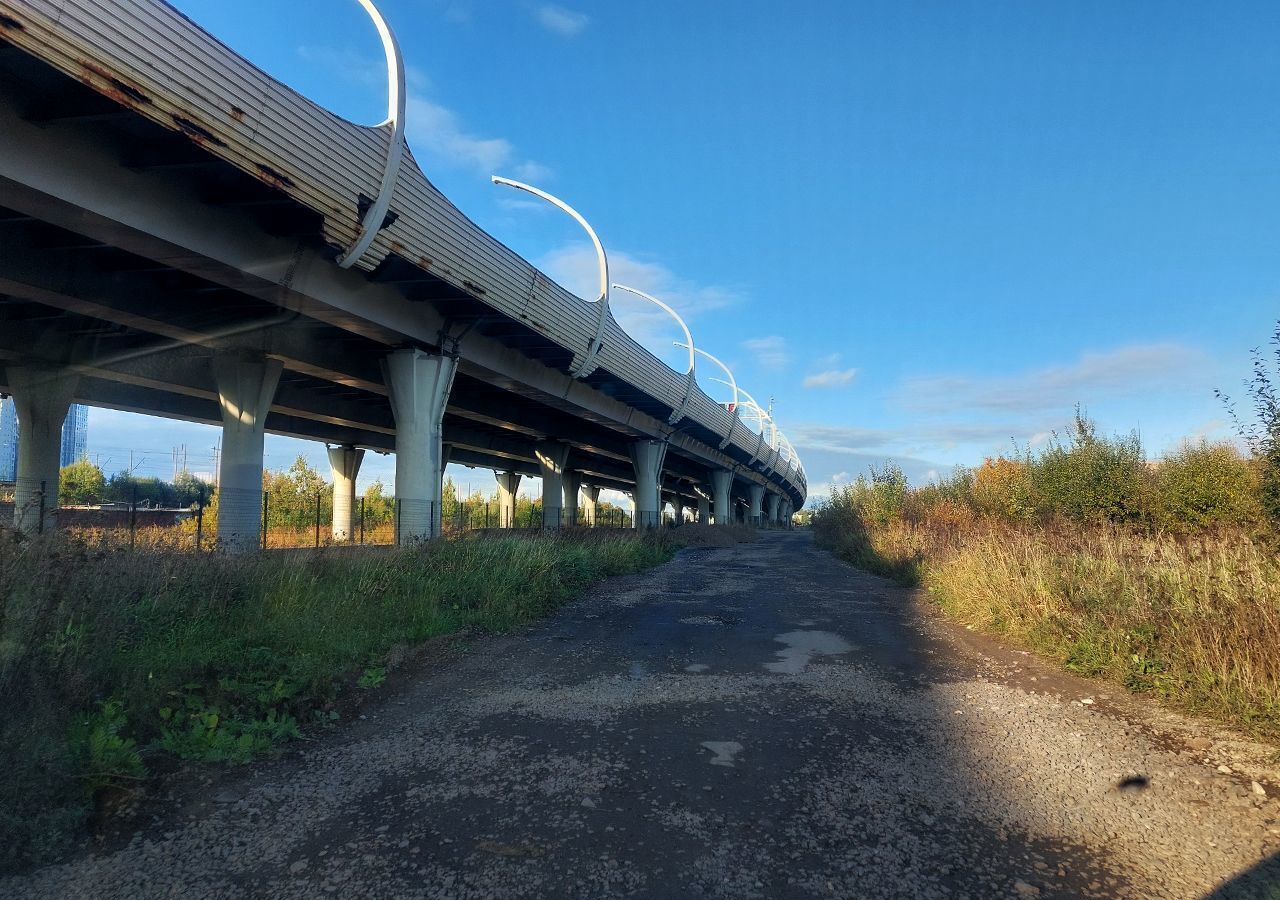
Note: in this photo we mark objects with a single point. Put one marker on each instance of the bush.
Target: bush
(1002, 489)
(1205, 486)
(1089, 478)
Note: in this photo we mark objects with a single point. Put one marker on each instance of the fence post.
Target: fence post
(317, 519)
(361, 520)
(266, 497)
(133, 515)
(199, 518)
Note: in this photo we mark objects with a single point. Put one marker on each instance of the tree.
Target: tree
(1262, 434)
(81, 484)
(189, 490)
(294, 494)
(378, 505)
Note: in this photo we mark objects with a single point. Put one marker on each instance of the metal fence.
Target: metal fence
(139, 526)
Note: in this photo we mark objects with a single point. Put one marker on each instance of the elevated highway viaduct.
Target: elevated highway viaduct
(177, 233)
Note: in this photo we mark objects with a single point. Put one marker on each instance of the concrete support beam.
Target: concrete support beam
(41, 397)
(572, 483)
(648, 457)
(755, 493)
(721, 486)
(419, 385)
(704, 510)
(772, 503)
(246, 385)
(344, 462)
(508, 487)
(677, 507)
(552, 456)
(590, 503)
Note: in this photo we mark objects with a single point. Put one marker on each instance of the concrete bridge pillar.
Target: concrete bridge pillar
(704, 510)
(771, 509)
(246, 385)
(755, 494)
(41, 396)
(572, 483)
(344, 462)
(677, 507)
(508, 487)
(590, 504)
(419, 386)
(648, 457)
(552, 456)
(721, 487)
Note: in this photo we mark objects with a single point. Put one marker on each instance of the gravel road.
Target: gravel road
(756, 721)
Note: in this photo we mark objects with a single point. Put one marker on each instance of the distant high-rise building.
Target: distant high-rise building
(75, 437)
(75, 434)
(8, 440)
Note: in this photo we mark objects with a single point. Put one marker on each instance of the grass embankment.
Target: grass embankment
(1164, 579)
(111, 662)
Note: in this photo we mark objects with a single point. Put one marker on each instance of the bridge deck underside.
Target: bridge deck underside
(141, 328)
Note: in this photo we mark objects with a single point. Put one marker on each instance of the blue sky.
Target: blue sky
(926, 229)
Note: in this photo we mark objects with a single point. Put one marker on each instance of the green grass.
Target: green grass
(111, 662)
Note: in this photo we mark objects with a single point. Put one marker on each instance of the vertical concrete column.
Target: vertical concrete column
(771, 503)
(41, 398)
(246, 384)
(721, 486)
(590, 504)
(419, 385)
(755, 493)
(508, 487)
(786, 513)
(704, 510)
(552, 456)
(677, 506)
(648, 457)
(572, 482)
(344, 462)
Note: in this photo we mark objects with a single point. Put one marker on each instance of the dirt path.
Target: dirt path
(760, 721)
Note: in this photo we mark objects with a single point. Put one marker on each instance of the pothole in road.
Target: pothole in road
(724, 752)
(708, 620)
(802, 646)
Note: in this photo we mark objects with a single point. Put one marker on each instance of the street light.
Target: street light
(587, 365)
(374, 216)
(678, 413)
(732, 382)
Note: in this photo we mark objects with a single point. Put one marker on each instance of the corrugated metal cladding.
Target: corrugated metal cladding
(150, 57)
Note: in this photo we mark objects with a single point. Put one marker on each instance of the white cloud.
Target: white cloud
(561, 21)
(574, 267)
(1094, 376)
(769, 352)
(435, 133)
(832, 378)
(436, 130)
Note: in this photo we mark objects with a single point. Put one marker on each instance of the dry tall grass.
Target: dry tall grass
(1193, 619)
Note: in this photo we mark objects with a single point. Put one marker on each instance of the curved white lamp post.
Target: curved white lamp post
(732, 383)
(587, 365)
(678, 413)
(374, 216)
